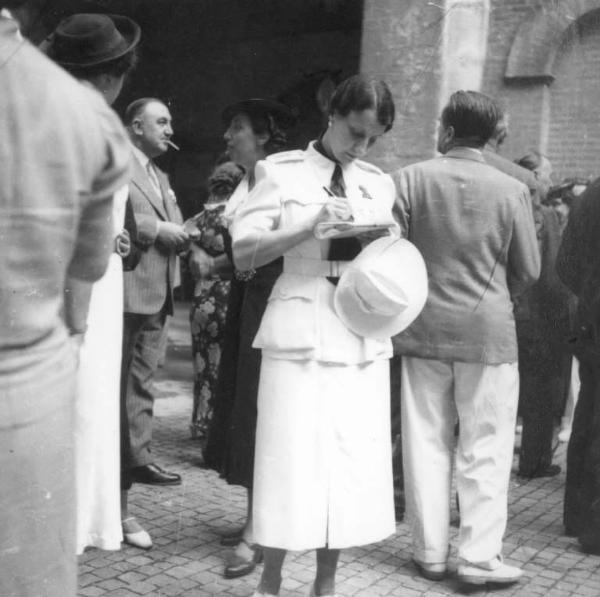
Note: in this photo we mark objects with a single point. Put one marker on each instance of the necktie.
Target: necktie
(341, 249)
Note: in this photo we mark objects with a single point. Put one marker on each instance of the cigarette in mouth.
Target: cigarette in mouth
(172, 144)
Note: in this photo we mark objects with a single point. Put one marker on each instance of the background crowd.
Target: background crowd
(282, 361)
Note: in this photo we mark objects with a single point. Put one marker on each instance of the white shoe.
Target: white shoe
(494, 572)
(259, 594)
(134, 534)
(564, 435)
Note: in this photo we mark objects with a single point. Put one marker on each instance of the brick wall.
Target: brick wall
(561, 118)
(522, 101)
(574, 132)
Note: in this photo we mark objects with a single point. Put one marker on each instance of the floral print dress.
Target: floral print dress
(207, 319)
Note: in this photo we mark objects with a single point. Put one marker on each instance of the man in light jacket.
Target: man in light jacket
(473, 225)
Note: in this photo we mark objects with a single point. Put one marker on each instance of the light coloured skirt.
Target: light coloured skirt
(97, 450)
(323, 465)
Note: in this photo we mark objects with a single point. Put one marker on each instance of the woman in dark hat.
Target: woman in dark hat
(100, 50)
(255, 129)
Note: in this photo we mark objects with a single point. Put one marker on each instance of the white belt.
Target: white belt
(314, 267)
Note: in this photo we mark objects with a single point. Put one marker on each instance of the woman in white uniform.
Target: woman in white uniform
(323, 469)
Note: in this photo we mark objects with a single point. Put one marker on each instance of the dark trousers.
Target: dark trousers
(538, 424)
(141, 352)
(542, 370)
(582, 490)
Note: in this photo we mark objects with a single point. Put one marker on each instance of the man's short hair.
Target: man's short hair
(472, 115)
(532, 160)
(358, 93)
(137, 107)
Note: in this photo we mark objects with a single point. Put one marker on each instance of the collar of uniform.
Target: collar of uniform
(141, 157)
(319, 159)
(466, 153)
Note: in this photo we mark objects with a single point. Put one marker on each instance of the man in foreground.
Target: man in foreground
(61, 160)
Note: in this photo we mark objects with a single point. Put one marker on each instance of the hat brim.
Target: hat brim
(129, 30)
(368, 324)
(280, 112)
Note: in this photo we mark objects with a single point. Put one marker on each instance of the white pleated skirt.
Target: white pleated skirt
(323, 464)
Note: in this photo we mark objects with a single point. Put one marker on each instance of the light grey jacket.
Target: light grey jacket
(151, 283)
(474, 227)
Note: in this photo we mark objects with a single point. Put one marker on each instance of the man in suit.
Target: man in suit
(474, 228)
(148, 288)
(491, 154)
(541, 315)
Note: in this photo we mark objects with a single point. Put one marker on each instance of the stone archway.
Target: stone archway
(543, 62)
(534, 49)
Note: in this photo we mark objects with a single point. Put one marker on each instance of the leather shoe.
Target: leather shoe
(152, 474)
(239, 565)
(495, 572)
(431, 571)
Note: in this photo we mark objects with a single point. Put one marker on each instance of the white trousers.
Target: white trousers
(483, 400)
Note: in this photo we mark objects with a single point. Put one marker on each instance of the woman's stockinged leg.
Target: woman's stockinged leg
(327, 560)
(270, 580)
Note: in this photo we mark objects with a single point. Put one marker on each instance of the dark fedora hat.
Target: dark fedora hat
(280, 112)
(88, 39)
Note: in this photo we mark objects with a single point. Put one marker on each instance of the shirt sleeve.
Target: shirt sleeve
(261, 211)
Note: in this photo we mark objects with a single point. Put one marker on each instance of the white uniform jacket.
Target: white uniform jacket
(300, 321)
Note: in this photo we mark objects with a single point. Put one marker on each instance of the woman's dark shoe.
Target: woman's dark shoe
(232, 538)
(243, 560)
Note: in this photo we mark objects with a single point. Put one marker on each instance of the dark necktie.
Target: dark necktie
(341, 249)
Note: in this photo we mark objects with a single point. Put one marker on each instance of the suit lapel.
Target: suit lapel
(141, 181)
(170, 202)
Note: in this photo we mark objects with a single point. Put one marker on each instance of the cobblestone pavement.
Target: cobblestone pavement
(185, 523)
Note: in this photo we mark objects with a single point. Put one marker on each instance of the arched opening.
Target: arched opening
(574, 123)
(553, 63)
